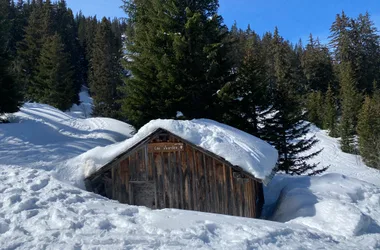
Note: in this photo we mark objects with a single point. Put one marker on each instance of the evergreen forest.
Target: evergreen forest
(178, 57)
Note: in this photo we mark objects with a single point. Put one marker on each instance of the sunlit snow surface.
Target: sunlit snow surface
(42, 205)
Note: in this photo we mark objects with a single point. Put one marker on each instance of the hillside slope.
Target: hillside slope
(43, 204)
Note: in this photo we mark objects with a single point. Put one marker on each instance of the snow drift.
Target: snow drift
(40, 208)
(332, 203)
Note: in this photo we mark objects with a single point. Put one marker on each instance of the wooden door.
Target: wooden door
(143, 194)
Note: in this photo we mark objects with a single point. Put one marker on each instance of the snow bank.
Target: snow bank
(333, 203)
(38, 211)
(239, 148)
(42, 137)
(41, 209)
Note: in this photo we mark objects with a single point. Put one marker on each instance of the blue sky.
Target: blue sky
(294, 18)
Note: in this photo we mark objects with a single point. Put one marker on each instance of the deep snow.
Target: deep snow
(332, 203)
(42, 205)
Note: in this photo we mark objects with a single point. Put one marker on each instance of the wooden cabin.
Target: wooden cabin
(164, 170)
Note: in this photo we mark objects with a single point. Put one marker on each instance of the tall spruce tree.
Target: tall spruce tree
(40, 27)
(29, 49)
(239, 39)
(317, 65)
(104, 74)
(340, 38)
(356, 41)
(66, 28)
(10, 96)
(54, 76)
(369, 130)
(314, 103)
(350, 106)
(365, 46)
(330, 114)
(285, 127)
(177, 56)
(245, 101)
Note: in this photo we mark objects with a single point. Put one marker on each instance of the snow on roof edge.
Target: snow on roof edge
(241, 149)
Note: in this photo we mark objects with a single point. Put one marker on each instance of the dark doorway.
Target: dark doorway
(143, 194)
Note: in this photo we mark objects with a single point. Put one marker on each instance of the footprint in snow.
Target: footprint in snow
(75, 199)
(31, 213)
(4, 227)
(105, 225)
(40, 185)
(27, 205)
(13, 199)
(57, 197)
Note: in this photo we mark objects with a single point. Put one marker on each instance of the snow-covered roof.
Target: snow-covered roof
(250, 153)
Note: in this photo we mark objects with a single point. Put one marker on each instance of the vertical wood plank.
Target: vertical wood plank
(158, 164)
(215, 179)
(225, 192)
(169, 178)
(229, 192)
(132, 167)
(164, 178)
(210, 171)
(181, 183)
(195, 181)
(201, 181)
(131, 201)
(189, 178)
(205, 169)
(141, 165)
(155, 179)
(174, 180)
(233, 196)
(148, 164)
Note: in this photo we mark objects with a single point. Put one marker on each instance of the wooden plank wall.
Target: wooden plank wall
(186, 179)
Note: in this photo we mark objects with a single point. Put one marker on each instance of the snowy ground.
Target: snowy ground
(41, 207)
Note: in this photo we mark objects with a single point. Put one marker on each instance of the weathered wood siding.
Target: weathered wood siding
(188, 179)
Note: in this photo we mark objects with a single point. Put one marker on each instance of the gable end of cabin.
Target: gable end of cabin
(166, 171)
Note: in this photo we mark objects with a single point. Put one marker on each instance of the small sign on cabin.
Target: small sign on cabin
(165, 147)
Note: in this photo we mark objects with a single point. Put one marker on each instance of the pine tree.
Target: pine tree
(285, 127)
(317, 66)
(85, 45)
(178, 58)
(29, 50)
(340, 38)
(40, 26)
(369, 130)
(313, 105)
(356, 41)
(330, 113)
(238, 39)
(10, 96)
(105, 75)
(350, 106)
(66, 28)
(244, 101)
(365, 43)
(54, 78)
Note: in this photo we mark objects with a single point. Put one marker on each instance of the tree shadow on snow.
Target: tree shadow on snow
(46, 141)
(75, 131)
